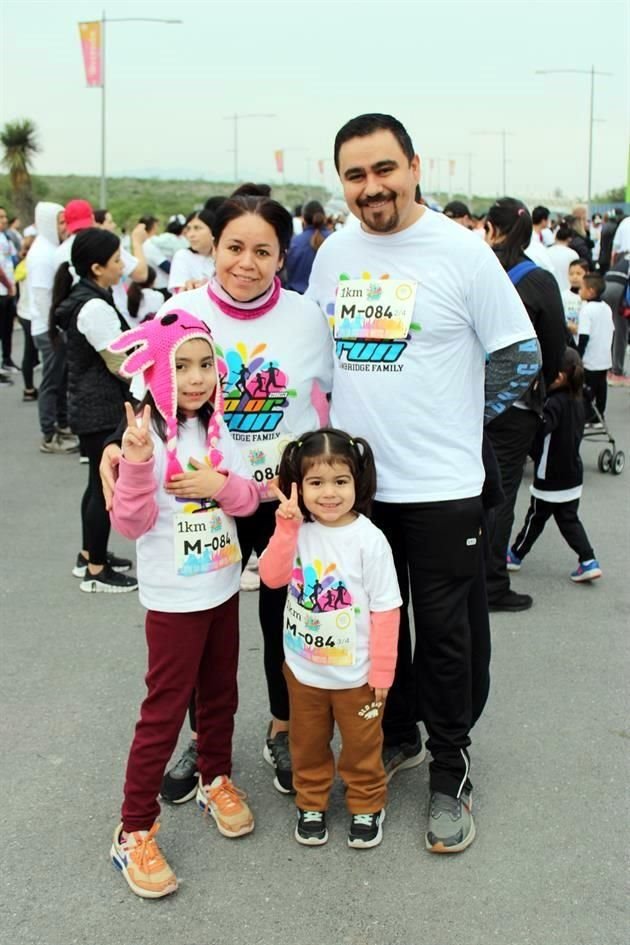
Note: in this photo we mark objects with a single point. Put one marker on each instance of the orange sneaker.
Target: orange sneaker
(141, 862)
(226, 803)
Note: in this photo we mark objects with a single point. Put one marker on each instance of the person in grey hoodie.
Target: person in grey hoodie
(53, 419)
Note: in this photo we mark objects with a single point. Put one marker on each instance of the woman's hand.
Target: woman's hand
(137, 445)
(288, 508)
(108, 471)
(203, 482)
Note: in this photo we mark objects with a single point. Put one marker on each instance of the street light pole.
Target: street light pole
(235, 118)
(592, 72)
(503, 132)
(104, 20)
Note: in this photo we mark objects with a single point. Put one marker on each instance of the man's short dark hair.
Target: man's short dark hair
(539, 214)
(364, 125)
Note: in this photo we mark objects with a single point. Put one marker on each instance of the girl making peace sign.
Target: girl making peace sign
(188, 574)
(340, 648)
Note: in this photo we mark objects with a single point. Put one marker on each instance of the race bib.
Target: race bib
(205, 541)
(374, 308)
(264, 461)
(327, 638)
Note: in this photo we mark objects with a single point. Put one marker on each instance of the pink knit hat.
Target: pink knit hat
(155, 344)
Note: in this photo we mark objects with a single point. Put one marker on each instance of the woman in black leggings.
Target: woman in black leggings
(85, 312)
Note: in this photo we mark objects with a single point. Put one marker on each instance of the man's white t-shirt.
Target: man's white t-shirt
(539, 254)
(340, 576)
(187, 265)
(561, 258)
(419, 400)
(159, 584)
(596, 321)
(269, 365)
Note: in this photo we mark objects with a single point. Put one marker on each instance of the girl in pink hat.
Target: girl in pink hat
(188, 574)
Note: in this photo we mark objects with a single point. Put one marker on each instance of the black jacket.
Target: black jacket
(541, 297)
(95, 395)
(556, 448)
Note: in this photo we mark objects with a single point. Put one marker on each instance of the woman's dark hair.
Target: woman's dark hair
(149, 221)
(90, 246)
(176, 224)
(252, 190)
(206, 216)
(204, 413)
(271, 212)
(99, 216)
(330, 446)
(365, 125)
(134, 294)
(314, 216)
(574, 369)
(511, 219)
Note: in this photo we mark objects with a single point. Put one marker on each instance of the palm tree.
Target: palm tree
(18, 138)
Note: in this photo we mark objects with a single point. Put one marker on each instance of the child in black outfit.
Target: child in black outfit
(558, 473)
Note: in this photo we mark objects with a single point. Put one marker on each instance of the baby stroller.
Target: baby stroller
(610, 459)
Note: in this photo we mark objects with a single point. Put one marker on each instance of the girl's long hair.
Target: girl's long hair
(134, 294)
(204, 413)
(511, 219)
(314, 216)
(90, 246)
(574, 369)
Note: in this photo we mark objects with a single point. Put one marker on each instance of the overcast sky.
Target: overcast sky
(446, 69)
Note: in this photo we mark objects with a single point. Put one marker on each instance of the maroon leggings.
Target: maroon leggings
(188, 651)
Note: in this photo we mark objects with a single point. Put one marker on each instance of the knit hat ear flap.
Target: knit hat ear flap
(154, 347)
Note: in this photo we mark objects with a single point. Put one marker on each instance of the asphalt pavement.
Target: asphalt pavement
(549, 759)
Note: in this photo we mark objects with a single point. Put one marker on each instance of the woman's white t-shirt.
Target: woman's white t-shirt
(269, 364)
(187, 265)
(340, 576)
(160, 586)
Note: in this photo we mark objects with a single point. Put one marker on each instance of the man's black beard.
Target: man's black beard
(388, 224)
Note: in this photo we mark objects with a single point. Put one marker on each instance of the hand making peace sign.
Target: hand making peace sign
(137, 444)
(288, 508)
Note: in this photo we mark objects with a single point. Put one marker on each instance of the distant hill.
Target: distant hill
(131, 197)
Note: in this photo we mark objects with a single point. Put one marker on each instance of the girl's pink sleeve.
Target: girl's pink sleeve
(238, 495)
(134, 506)
(276, 562)
(383, 647)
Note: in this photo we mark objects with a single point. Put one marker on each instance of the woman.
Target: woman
(272, 345)
(509, 231)
(86, 314)
(193, 264)
(304, 247)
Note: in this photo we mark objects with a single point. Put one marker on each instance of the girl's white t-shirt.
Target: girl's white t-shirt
(187, 265)
(160, 586)
(419, 400)
(340, 576)
(269, 365)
